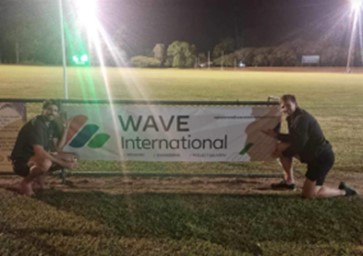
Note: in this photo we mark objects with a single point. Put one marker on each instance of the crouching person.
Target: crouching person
(307, 143)
(37, 149)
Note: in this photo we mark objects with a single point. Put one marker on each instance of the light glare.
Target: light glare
(86, 10)
(80, 60)
(356, 4)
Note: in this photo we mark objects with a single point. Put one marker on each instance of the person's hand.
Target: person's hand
(70, 164)
(270, 133)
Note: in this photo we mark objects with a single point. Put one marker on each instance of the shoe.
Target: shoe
(348, 190)
(283, 185)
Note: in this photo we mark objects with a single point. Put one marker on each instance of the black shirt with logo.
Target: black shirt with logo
(35, 132)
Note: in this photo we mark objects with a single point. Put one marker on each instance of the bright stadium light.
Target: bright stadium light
(356, 4)
(86, 10)
(87, 15)
(84, 58)
(80, 60)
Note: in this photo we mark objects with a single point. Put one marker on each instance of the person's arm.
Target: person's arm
(37, 140)
(40, 152)
(275, 133)
(279, 136)
(299, 136)
(62, 141)
(283, 137)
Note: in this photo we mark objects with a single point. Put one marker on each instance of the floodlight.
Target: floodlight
(356, 4)
(84, 58)
(75, 59)
(86, 12)
(80, 60)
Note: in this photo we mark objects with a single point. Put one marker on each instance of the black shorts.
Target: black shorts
(319, 167)
(20, 167)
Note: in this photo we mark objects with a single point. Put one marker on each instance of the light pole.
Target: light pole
(64, 58)
(356, 6)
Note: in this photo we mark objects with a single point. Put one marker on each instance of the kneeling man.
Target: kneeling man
(37, 149)
(306, 142)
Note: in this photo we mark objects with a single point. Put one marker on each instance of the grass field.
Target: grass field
(145, 222)
(334, 97)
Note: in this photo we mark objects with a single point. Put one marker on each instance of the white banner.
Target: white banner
(171, 133)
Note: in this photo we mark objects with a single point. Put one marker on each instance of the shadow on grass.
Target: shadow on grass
(234, 221)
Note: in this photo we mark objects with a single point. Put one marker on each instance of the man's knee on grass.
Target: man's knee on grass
(310, 189)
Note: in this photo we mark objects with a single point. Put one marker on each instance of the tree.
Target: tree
(224, 47)
(330, 56)
(229, 60)
(303, 47)
(246, 55)
(190, 56)
(282, 56)
(261, 57)
(181, 54)
(144, 61)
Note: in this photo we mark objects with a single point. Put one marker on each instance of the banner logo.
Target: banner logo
(81, 134)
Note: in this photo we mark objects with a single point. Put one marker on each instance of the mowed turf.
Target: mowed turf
(96, 223)
(334, 97)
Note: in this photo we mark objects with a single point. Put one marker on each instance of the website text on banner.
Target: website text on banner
(12, 118)
(171, 133)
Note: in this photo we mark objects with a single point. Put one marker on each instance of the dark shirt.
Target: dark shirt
(35, 132)
(305, 136)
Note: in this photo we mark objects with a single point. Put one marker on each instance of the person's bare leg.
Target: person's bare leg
(286, 162)
(37, 168)
(26, 186)
(311, 190)
(39, 182)
(326, 192)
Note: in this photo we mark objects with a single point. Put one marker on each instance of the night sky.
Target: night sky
(205, 22)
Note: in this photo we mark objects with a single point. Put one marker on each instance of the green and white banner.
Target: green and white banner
(171, 133)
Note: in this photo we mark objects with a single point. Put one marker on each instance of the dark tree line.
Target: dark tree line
(184, 55)
(30, 33)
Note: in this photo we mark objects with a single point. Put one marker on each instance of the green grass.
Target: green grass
(317, 91)
(334, 98)
(86, 223)
(96, 223)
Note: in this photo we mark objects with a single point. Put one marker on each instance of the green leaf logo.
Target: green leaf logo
(245, 149)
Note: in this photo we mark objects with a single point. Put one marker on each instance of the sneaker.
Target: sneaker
(348, 190)
(283, 185)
